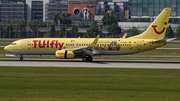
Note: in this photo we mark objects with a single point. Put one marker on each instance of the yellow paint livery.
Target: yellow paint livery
(86, 48)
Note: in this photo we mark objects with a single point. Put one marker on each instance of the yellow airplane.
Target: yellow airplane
(86, 48)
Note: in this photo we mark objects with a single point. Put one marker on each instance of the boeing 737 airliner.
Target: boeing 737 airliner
(86, 48)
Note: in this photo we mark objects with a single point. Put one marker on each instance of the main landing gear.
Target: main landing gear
(21, 58)
(87, 59)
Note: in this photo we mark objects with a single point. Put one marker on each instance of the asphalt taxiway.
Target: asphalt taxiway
(94, 64)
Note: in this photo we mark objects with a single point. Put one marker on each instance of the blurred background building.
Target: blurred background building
(12, 10)
(88, 10)
(147, 10)
(127, 10)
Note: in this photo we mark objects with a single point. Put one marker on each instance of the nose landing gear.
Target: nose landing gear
(21, 58)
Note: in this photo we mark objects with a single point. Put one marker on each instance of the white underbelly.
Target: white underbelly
(33, 52)
(52, 52)
(125, 52)
(42, 52)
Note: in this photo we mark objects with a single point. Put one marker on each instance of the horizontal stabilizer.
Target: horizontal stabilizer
(163, 41)
(170, 39)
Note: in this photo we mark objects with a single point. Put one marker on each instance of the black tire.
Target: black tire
(21, 58)
(84, 59)
(89, 58)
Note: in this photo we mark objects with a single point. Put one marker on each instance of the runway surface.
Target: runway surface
(95, 64)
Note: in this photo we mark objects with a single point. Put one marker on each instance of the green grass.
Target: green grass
(172, 45)
(174, 42)
(7, 40)
(5, 43)
(88, 84)
(161, 52)
(2, 51)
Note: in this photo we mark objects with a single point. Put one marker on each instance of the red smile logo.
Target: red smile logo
(159, 32)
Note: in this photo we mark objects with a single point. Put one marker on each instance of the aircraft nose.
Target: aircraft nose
(6, 48)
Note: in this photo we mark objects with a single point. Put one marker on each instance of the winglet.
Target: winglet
(124, 36)
(94, 43)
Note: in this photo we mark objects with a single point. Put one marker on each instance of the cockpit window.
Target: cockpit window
(13, 43)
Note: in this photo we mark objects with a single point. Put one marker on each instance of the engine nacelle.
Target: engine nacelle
(64, 54)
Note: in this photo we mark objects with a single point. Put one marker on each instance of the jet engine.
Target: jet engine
(64, 54)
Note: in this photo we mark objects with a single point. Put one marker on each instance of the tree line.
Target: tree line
(62, 26)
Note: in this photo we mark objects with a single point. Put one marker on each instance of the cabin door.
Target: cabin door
(138, 45)
(24, 45)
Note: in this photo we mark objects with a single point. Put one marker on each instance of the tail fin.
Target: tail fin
(157, 28)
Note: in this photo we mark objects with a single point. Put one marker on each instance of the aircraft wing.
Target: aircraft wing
(86, 49)
(163, 40)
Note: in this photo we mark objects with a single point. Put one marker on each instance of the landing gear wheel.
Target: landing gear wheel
(21, 58)
(84, 59)
(89, 58)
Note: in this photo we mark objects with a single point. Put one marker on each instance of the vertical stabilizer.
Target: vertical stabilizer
(157, 28)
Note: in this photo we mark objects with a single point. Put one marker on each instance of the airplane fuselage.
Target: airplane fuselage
(105, 46)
